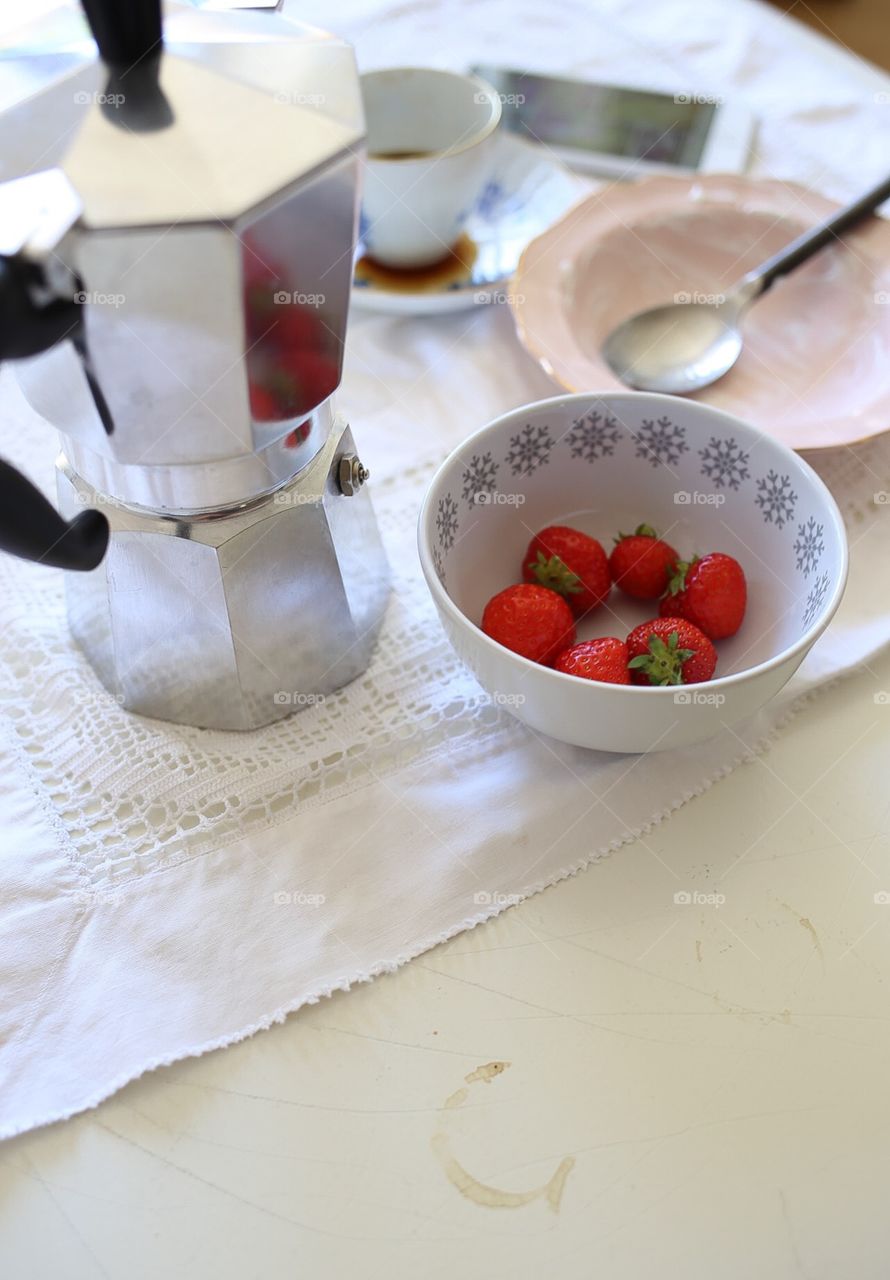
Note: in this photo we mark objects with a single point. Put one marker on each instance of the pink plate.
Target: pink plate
(815, 369)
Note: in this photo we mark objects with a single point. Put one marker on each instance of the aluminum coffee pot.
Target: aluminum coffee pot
(184, 272)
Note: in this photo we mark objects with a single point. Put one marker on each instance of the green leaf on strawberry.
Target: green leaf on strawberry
(663, 664)
(554, 573)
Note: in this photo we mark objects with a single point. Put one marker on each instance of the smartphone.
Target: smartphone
(611, 130)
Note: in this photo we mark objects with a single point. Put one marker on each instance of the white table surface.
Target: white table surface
(718, 1074)
(716, 1071)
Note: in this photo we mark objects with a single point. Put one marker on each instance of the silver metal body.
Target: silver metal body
(213, 254)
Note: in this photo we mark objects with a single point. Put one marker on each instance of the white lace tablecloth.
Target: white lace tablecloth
(165, 890)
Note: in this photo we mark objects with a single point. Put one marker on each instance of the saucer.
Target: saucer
(813, 372)
(527, 191)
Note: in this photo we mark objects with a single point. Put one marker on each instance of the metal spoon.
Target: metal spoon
(683, 347)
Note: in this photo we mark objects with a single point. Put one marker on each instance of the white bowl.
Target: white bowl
(602, 463)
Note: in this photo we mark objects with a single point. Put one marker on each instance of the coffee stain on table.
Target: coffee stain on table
(806, 923)
(487, 1072)
(482, 1193)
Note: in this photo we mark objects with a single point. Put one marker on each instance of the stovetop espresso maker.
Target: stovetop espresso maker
(184, 273)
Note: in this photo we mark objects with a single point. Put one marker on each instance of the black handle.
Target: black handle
(30, 527)
(126, 31)
(796, 253)
(26, 329)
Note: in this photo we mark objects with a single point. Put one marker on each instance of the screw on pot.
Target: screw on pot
(351, 474)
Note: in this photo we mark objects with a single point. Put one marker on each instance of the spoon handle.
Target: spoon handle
(799, 250)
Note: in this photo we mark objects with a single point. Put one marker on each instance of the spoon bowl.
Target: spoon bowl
(676, 349)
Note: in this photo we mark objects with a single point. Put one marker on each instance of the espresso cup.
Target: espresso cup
(430, 152)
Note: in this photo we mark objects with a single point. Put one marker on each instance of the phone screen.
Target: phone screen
(630, 123)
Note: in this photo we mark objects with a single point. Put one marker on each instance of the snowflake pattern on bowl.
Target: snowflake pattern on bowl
(479, 477)
(529, 449)
(439, 565)
(446, 522)
(661, 443)
(593, 436)
(776, 498)
(724, 463)
(816, 599)
(809, 545)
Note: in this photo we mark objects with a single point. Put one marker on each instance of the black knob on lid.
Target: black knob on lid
(126, 31)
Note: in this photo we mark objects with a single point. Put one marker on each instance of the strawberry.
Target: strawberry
(641, 564)
(530, 620)
(670, 651)
(604, 659)
(711, 592)
(571, 563)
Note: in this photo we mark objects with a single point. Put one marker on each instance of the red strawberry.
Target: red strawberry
(530, 620)
(710, 592)
(571, 563)
(641, 564)
(670, 651)
(603, 659)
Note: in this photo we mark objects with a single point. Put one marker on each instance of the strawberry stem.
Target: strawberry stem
(678, 580)
(663, 664)
(641, 531)
(555, 574)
